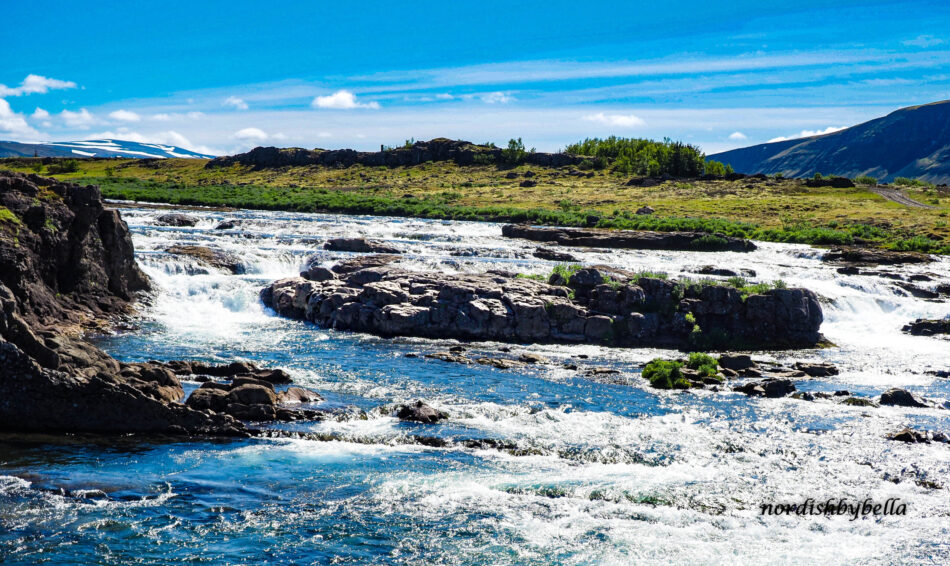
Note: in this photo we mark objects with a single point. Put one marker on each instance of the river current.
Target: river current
(603, 471)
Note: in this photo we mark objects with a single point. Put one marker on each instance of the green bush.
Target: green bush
(633, 156)
(865, 180)
(665, 374)
(65, 166)
(714, 167)
(709, 242)
(706, 365)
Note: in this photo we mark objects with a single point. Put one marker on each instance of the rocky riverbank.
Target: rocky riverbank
(597, 305)
(67, 264)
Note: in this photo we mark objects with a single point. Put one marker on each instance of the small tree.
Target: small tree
(515, 152)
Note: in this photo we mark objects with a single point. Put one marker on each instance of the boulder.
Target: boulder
(553, 255)
(896, 397)
(736, 362)
(360, 245)
(645, 210)
(419, 412)
(317, 273)
(873, 256)
(176, 219)
(771, 388)
(252, 395)
(298, 395)
(928, 327)
(816, 369)
(910, 435)
(226, 225)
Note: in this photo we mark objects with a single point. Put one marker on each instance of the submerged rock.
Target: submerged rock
(873, 256)
(816, 369)
(208, 256)
(553, 255)
(597, 305)
(176, 219)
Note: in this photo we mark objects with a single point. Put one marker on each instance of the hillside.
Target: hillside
(911, 142)
(96, 148)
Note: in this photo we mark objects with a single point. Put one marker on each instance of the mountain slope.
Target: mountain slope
(95, 148)
(910, 142)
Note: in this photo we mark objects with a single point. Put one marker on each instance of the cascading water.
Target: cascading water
(592, 471)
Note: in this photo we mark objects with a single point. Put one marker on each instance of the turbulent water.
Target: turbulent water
(596, 471)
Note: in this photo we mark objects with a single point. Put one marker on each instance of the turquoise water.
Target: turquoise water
(584, 471)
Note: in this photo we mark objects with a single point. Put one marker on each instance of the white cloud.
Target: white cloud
(125, 116)
(250, 134)
(14, 123)
(35, 84)
(235, 102)
(444, 96)
(165, 117)
(40, 114)
(621, 120)
(324, 135)
(497, 98)
(82, 119)
(738, 136)
(923, 41)
(342, 100)
(807, 134)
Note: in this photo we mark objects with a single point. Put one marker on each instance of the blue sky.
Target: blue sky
(225, 76)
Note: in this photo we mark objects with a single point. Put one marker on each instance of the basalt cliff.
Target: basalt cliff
(67, 264)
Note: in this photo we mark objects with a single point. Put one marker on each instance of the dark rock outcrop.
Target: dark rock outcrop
(438, 149)
(928, 327)
(597, 305)
(67, 263)
(553, 255)
(628, 239)
(816, 369)
(873, 256)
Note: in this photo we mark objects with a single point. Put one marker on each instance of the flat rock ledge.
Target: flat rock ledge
(629, 239)
(598, 305)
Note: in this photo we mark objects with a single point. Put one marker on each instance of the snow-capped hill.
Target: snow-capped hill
(96, 148)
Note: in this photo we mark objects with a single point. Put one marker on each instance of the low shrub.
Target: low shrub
(705, 364)
(665, 374)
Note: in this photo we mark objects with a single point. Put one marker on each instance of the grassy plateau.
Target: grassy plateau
(773, 209)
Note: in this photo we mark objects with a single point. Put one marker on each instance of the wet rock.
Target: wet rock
(449, 357)
(531, 358)
(176, 219)
(873, 256)
(859, 402)
(318, 273)
(816, 369)
(298, 395)
(211, 257)
(723, 272)
(628, 239)
(552, 255)
(736, 362)
(365, 262)
(359, 245)
(420, 412)
(226, 225)
(252, 395)
(246, 380)
(896, 397)
(213, 399)
(927, 327)
(772, 388)
(910, 435)
(918, 292)
(499, 363)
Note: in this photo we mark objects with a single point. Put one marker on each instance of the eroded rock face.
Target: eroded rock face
(597, 305)
(65, 262)
(629, 239)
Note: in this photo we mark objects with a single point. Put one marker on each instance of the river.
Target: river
(605, 471)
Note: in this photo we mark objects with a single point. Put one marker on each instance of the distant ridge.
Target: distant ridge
(96, 148)
(910, 142)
